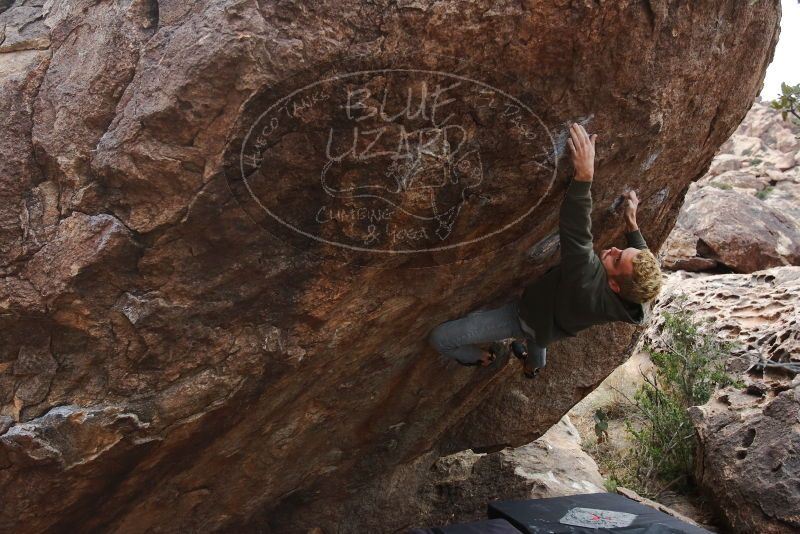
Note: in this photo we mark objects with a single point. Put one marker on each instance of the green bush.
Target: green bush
(761, 195)
(611, 484)
(688, 369)
(788, 102)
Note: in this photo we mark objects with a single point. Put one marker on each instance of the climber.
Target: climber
(584, 290)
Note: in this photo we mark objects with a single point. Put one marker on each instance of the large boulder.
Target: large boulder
(213, 319)
(736, 229)
(747, 461)
(744, 214)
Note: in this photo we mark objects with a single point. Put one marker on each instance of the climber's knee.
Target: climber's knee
(438, 338)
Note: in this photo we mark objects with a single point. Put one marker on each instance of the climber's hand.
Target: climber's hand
(582, 148)
(631, 205)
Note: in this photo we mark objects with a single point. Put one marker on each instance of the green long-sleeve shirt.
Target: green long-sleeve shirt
(575, 294)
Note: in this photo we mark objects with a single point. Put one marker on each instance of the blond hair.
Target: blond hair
(645, 282)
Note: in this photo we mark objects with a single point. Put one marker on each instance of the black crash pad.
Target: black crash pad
(591, 513)
(486, 526)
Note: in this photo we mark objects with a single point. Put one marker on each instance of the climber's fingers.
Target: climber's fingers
(571, 146)
(631, 197)
(578, 142)
(581, 138)
(575, 133)
(584, 136)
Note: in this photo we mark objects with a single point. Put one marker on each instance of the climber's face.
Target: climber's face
(617, 263)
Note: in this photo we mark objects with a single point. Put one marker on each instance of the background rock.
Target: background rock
(210, 376)
(737, 230)
(552, 466)
(744, 214)
(747, 460)
(758, 313)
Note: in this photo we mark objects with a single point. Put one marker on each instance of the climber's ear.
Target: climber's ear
(612, 283)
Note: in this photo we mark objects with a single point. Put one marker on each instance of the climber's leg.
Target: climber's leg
(457, 339)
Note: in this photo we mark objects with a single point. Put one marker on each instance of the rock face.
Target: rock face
(552, 466)
(749, 458)
(192, 340)
(749, 438)
(759, 313)
(744, 215)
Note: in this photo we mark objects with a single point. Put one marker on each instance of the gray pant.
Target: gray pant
(457, 339)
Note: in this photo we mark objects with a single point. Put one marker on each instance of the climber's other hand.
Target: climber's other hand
(631, 204)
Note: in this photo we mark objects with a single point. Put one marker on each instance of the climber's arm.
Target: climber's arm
(632, 233)
(575, 219)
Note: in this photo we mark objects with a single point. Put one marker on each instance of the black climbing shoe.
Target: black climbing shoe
(521, 352)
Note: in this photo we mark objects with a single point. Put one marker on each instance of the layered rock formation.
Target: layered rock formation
(744, 214)
(747, 461)
(757, 313)
(176, 358)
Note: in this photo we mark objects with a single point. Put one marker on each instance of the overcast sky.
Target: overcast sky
(785, 66)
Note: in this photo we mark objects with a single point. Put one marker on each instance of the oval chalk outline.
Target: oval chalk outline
(401, 251)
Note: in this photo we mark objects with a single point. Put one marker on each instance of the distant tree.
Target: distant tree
(789, 102)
